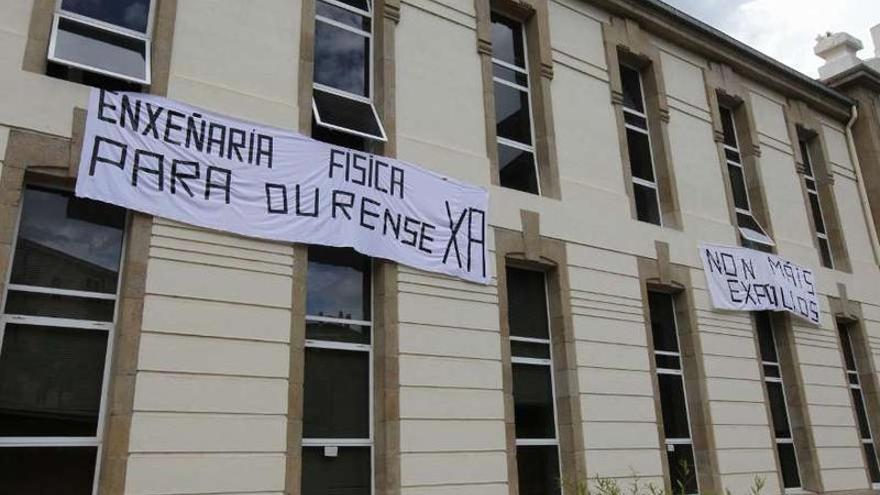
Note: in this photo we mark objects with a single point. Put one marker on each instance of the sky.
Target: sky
(786, 29)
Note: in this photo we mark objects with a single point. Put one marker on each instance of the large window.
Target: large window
(342, 99)
(534, 405)
(816, 206)
(56, 333)
(337, 392)
(638, 143)
(513, 108)
(102, 37)
(785, 449)
(752, 235)
(673, 403)
(859, 404)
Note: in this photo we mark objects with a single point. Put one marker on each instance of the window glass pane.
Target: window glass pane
(778, 410)
(667, 362)
(825, 253)
(527, 303)
(640, 160)
(853, 378)
(847, 349)
(861, 413)
(349, 473)
(338, 283)
(512, 114)
(662, 309)
(672, 403)
(336, 394)
(682, 469)
(738, 187)
(633, 119)
(538, 469)
(47, 470)
(818, 221)
(517, 169)
(751, 230)
(510, 75)
(358, 4)
(68, 243)
(342, 59)
(811, 185)
(100, 49)
(507, 41)
(529, 350)
(788, 464)
(343, 16)
(533, 401)
(130, 14)
(805, 154)
(50, 380)
(632, 89)
(733, 156)
(647, 207)
(728, 127)
(765, 337)
(347, 113)
(337, 332)
(871, 459)
(338, 138)
(771, 371)
(81, 308)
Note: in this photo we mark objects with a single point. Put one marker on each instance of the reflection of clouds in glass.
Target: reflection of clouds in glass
(333, 289)
(131, 14)
(341, 59)
(46, 222)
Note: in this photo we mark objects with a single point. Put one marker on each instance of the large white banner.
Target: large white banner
(158, 156)
(748, 280)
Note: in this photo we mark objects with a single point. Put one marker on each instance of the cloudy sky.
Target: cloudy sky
(787, 29)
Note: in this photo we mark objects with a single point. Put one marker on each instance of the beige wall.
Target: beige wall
(211, 391)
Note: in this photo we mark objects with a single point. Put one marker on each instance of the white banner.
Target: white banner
(161, 157)
(747, 280)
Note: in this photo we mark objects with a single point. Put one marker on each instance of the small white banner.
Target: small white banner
(161, 157)
(747, 280)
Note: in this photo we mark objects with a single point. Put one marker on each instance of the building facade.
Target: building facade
(613, 137)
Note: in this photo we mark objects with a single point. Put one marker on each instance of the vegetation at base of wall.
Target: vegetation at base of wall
(599, 485)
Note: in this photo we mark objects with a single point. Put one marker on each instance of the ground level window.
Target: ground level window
(55, 332)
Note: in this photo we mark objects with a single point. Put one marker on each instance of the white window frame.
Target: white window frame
(749, 234)
(368, 99)
(672, 442)
(772, 379)
(858, 386)
(647, 132)
(525, 71)
(351, 347)
(78, 325)
(537, 442)
(60, 13)
(809, 175)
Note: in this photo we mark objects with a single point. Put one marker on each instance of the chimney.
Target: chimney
(875, 35)
(839, 52)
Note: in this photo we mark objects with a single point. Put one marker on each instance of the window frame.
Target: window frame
(539, 442)
(525, 70)
(810, 177)
(647, 132)
(369, 60)
(844, 330)
(59, 13)
(96, 441)
(307, 442)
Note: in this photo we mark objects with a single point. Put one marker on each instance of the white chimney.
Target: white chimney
(875, 35)
(839, 52)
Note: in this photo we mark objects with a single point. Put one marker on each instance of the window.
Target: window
(816, 206)
(55, 332)
(343, 70)
(537, 442)
(101, 38)
(859, 405)
(338, 380)
(752, 235)
(513, 109)
(638, 142)
(673, 403)
(778, 404)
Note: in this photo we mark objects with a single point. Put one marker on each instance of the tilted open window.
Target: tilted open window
(342, 97)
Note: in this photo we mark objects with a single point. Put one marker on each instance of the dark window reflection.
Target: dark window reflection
(342, 59)
(344, 16)
(672, 404)
(349, 473)
(533, 401)
(873, 464)
(738, 187)
(47, 470)
(80, 308)
(527, 303)
(632, 89)
(788, 462)
(101, 49)
(647, 207)
(778, 410)
(728, 127)
(662, 309)
(68, 243)
(130, 14)
(512, 116)
(682, 469)
(640, 160)
(336, 394)
(507, 41)
(538, 469)
(338, 283)
(517, 169)
(346, 113)
(765, 337)
(50, 381)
